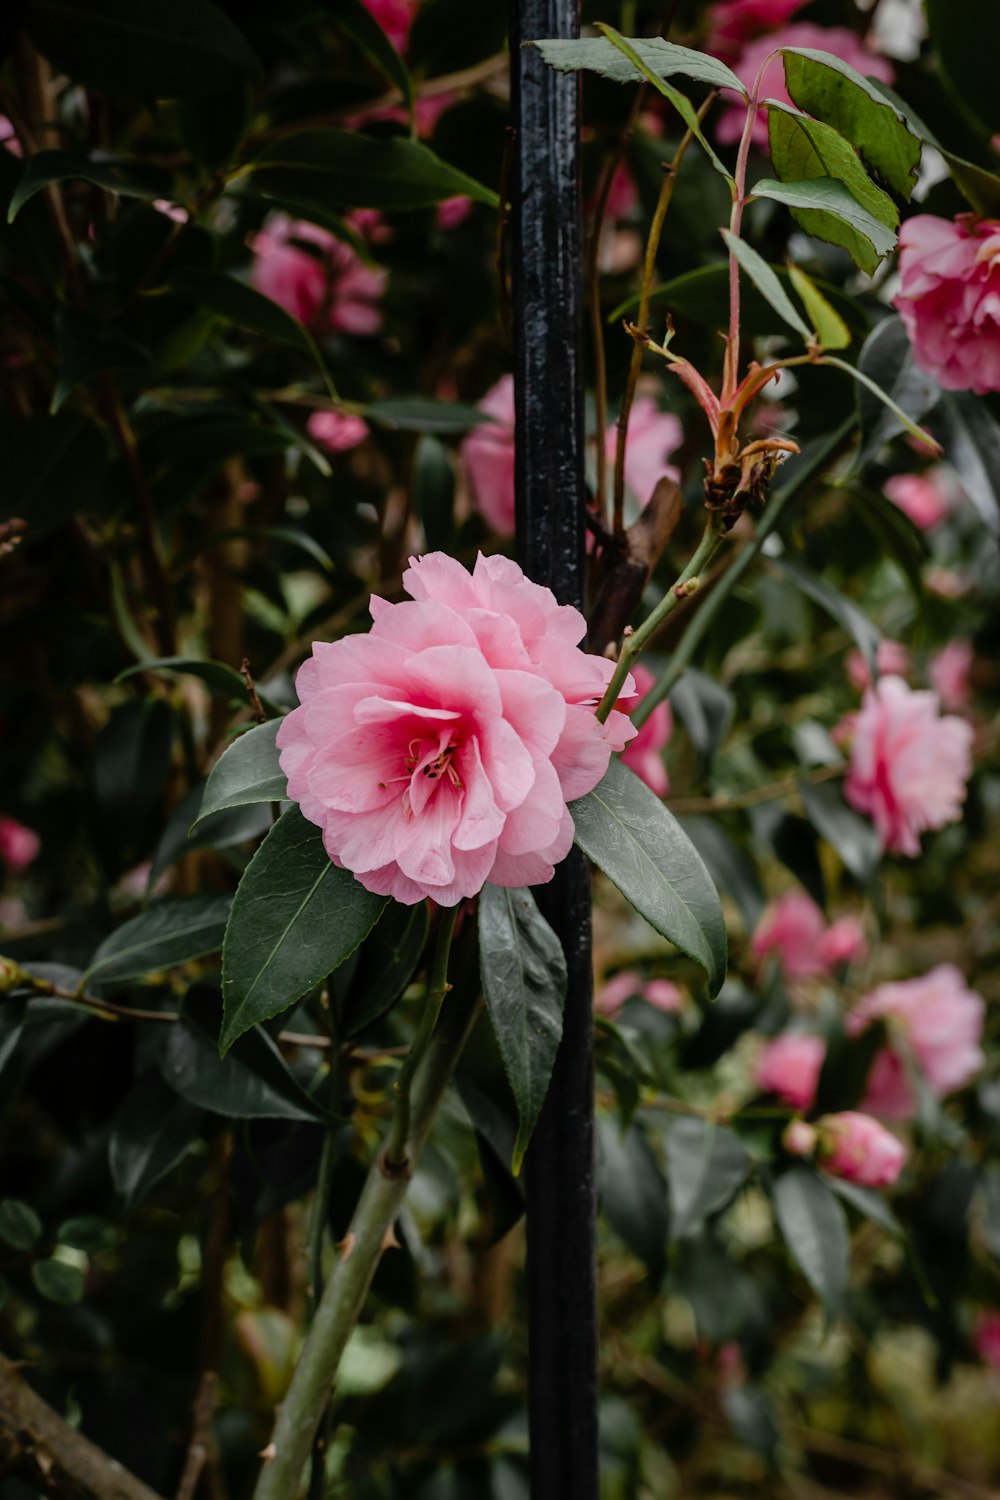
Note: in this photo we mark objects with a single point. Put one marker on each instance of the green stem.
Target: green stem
(805, 470)
(399, 1131)
(343, 1297)
(682, 587)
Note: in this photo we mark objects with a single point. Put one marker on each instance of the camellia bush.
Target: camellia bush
(291, 738)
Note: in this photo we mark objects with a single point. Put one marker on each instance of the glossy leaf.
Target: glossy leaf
(766, 282)
(864, 634)
(705, 708)
(422, 414)
(295, 918)
(665, 59)
(706, 1166)
(830, 329)
(124, 179)
(729, 865)
(823, 207)
(57, 1281)
(240, 304)
(870, 1203)
(223, 830)
(632, 1192)
(20, 1226)
(165, 935)
(803, 148)
(53, 466)
(88, 347)
(815, 1230)
(970, 436)
(375, 975)
(247, 771)
(222, 679)
(434, 492)
(829, 89)
(252, 1082)
(853, 837)
(361, 26)
(88, 1233)
(886, 357)
(524, 984)
(629, 834)
(152, 1131)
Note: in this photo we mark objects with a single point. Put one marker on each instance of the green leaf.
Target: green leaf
(360, 25)
(142, 49)
(702, 296)
(803, 149)
(88, 347)
(864, 634)
(203, 441)
(252, 1082)
(880, 395)
(20, 1226)
(222, 679)
(766, 282)
(375, 976)
(89, 1233)
(829, 89)
(247, 771)
(421, 414)
(970, 436)
(153, 1129)
(53, 466)
(632, 1192)
(895, 535)
(238, 303)
(660, 57)
(729, 865)
(706, 1166)
(126, 179)
(830, 329)
(223, 830)
(628, 833)
(815, 1230)
(853, 837)
(524, 984)
(869, 1203)
(296, 916)
(339, 169)
(165, 935)
(824, 207)
(434, 492)
(57, 1281)
(965, 36)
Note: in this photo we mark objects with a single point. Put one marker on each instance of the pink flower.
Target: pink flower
(652, 436)
(440, 750)
(19, 846)
(395, 18)
(836, 39)
(791, 928)
(736, 21)
(891, 658)
(488, 455)
(336, 431)
(909, 765)
(790, 1067)
(664, 995)
(454, 211)
(859, 1149)
(987, 1338)
(627, 984)
(8, 137)
(326, 286)
(922, 497)
(949, 299)
(940, 1023)
(622, 198)
(949, 674)
(644, 754)
(842, 942)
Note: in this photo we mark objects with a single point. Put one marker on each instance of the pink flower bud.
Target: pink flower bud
(799, 1138)
(987, 1338)
(859, 1149)
(19, 846)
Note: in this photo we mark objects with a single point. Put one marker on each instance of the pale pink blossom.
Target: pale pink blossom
(454, 211)
(488, 455)
(317, 278)
(909, 764)
(949, 299)
(987, 1338)
(790, 1065)
(923, 497)
(8, 137)
(19, 846)
(337, 431)
(842, 942)
(791, 928)
(440, 750)
(644, 754)
(172, 211)
(937, 1023)
(664, 995)
(891, 658)
(945, 582)
(395, 18)
(653, 435)
(856, 1147)
(836, 39)
(736, 21)
(627, 984)
(949, 673)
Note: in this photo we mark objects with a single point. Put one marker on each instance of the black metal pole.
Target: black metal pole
(547, 273)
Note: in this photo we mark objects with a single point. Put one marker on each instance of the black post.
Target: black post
(547, 267)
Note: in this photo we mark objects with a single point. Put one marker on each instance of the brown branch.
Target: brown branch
(40, 1448)
(256, 707)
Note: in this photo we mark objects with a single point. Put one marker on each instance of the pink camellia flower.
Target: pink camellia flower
(922, 497)
(836, 39)
(395, 18)
(644, 754)
(336, 431)
(327, 287)
(939, 1021)
(949, 299)
(891, 658)
(8, 137)
(19, 846)
(736, 21)
(791, 928)
(664, 995)
(909, 764)
(653, 435)
(440, 750)
(628, 984)
(842, 942)
(856, 1147)
(987, 1338)
(949, 673)
(488, 455)
(790, 1067)
(454, 211)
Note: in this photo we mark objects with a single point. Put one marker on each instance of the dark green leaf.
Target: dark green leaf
(829, 89)
(730, 867)
(705, 708)
(662, 58)
(434, 492)
(152, 1131)
(706, 1166)
(224, 830)
(132, 760)
(815, 1230)
(766, 282)
(864, 634)
(524, 984)
(166, 934)
(88, 346)
(57, 1281)
(248, 771)
(895, 534)
(126, 179)
(252, 1082)
(886, 357)
(966, 39)
(824, 207)
(869, 1203)
(703, 296)
(20, 1226)
(632, 1192)
(876, 390)
(360, 25)
(970, 436)
(205, 441)
(52, 467)
(215, 292)
(339, 169)
(222, 679)
(628, 833)
(376, 975)
(295, 918)
(421, 414)
(142, 49)
(89, 1233)
(853, 837)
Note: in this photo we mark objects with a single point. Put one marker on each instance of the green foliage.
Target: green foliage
(815, 1230)
(169, 933)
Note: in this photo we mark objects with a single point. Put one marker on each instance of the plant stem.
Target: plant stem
(344, 1294)
(399, 1131)
(731, 367)
(685, 585)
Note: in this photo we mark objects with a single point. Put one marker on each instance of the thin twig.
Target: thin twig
(774, 791)
(256, 707)
(399, 1132)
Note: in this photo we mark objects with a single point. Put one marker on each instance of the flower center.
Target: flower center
(440, 766)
